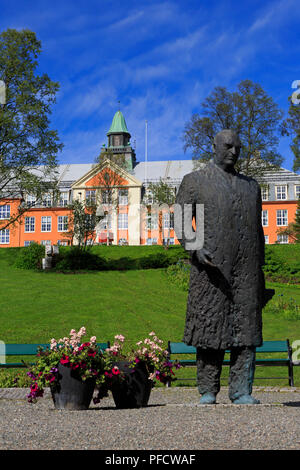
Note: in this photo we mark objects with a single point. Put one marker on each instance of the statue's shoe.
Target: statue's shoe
(245, 400)
(208, 399)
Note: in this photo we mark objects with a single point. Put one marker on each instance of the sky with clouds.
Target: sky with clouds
(160, 59)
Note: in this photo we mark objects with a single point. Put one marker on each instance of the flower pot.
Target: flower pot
(70, 392)
(134, 391)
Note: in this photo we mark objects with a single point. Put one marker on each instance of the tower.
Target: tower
(119, 140)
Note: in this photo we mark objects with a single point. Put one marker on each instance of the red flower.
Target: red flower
(92, 353)
(65, 360)
(115, 371)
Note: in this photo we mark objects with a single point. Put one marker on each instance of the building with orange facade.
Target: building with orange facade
(131, 220)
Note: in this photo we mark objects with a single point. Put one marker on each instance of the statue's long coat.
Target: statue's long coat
(225, 303)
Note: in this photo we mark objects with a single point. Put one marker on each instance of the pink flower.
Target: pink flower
(120, 338)
(93, 339)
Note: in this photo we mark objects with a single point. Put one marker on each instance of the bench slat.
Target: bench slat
(268, 347)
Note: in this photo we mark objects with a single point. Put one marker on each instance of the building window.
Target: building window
(64, 199)
(46, 242)
(264, 218)
(123, 197)
(5, 211)
(171, 241)
(151, 241)
(168, 220)
(62, 223)
(297, 191)
(106, 196)
(281, 193)
(282, 238)
(62, 243)
(282, 217)
(46, 224)
(151, 222)
(90, 197)
(105, 223)
(4, 236)
(29, 224)
(30, 200)
(267, 239)
(122, 242)
(47, 200)
(28, 242)
(265, 193)
(123, 222)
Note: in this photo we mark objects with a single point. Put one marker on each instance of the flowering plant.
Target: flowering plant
(84, 358)
(149, 352)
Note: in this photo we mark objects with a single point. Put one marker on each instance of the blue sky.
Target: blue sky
(160, 59)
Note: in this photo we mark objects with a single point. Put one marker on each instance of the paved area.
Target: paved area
(174, 420)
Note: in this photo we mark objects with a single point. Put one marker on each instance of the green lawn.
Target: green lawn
(37, 306)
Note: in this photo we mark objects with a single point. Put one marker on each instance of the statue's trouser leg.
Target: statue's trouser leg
(209, 368)
(242, 367)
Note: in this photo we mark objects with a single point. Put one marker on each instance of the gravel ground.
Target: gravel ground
(173, 420)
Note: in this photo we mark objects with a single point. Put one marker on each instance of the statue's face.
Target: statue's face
(227, 149)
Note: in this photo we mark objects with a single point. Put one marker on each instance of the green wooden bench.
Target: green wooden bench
(9, 349)
(268, 347)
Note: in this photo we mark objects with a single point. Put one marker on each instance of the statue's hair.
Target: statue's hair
(224, 132)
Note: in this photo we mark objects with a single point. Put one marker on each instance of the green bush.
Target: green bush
(276, 269)
(30, 257)
(179, 274)
(77, 259)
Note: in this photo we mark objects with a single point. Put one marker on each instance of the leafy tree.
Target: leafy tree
(110, 181)
(28, 146)
(291, 127)
(82, 223)
(163, 196)
(293, 228)
(251, 113)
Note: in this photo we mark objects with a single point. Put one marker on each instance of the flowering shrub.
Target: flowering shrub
(149, 352)
(84, 358)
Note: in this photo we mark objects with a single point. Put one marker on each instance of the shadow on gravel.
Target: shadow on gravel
(292, 403)
(109, 408)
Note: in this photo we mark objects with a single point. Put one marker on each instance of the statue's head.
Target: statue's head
(226, 148)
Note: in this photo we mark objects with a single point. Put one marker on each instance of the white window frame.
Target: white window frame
(168, 220)
(281, 217)
(123, 198)
(264, 193)
(280, 191)
(266, 239)
(90, 196)
(264, 218)
(123, 221)
(5, 212)
(62, 223)
(282, 238)
(297, 191)
(63, 199)
(47, 223)
(47, 200)
(28, 242)
(152, 241)
(5, 236)
(151, 221)
(46, 242)
(31, 200)
(106, 196)
(29, 224)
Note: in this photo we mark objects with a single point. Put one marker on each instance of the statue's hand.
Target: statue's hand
(204, 257)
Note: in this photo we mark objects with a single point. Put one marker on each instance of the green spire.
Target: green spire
(118, 124)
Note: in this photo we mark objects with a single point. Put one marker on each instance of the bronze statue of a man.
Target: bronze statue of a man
(227, 288)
